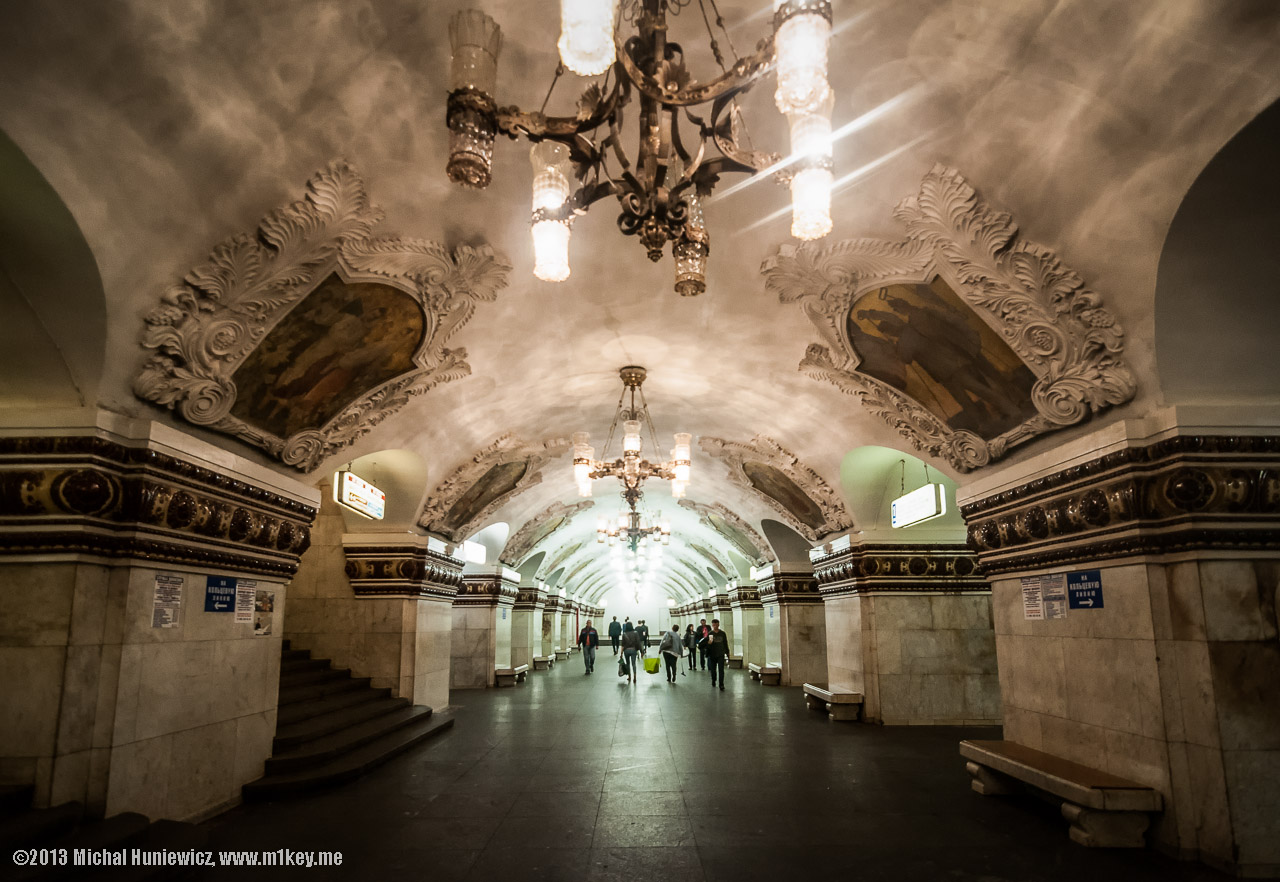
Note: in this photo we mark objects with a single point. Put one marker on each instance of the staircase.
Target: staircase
(332, 727)
(64, 827)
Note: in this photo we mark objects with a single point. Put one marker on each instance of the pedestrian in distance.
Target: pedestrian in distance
(588, 640)
(643, 629)
(671, 649)
(615, 633)
(717, 653)
(702, 632)
(630, 649)
(691, 647)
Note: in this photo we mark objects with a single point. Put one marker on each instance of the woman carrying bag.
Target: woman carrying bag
(630, 649)
(691, 641)
(671, 649)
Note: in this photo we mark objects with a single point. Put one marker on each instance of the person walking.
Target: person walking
(630, 649)
(702, 632)
(671, 649)
(588, 640)
(644, 638)
(691, 647)
(717, 644)
(615, 633)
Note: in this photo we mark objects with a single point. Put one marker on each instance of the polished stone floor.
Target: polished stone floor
(584, 778)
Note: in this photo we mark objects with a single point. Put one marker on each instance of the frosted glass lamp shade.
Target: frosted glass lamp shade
(476, 41)
(800, 46)
(811, 203)
(586, 35)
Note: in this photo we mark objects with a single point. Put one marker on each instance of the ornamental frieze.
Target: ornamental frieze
(485, 590)
(745, 597)
(888, 569)
(89, 495)
(965, 337)
(401, 571)
(1182, 494)
(789, 588)
(301, 335)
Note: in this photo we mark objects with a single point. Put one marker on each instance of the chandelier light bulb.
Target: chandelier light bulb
(551, 174)
(677, 489)
(586, 35)
(631, 437)
(801, 45)
(811, 203)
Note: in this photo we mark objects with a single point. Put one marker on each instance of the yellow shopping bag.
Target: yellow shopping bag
(651, 665)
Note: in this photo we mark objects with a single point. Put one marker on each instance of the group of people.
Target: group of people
(705, 643)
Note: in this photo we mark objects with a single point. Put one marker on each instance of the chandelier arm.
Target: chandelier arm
(726, 139)
(514, 122)
(743, 73)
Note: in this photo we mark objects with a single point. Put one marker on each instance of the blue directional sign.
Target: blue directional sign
(1084, 590)
(220, 594)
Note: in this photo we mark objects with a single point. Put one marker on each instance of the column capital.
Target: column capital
(907, 568)
(789, 588)
(400, 566)
(745, 597)
(487, 589)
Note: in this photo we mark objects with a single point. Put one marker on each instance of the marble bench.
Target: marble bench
(562, 653)
(735, 661)
(542, 662)
(768, 675)
(1105, 811)
(511, 676)
(837, 704)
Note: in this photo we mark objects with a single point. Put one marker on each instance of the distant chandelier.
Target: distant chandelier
(660, 195)
(633, 528)
(630, 469)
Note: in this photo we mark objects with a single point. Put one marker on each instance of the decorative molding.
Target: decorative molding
(721, 567)
(208, 325)
(530, 598)
(899, 569)
(760, 553)
(789, 588)
(87, 495)
(1041, 308)
(521, 544)
(763, 449)
(1187, 494)
(562, 557)
(401, 570)
(486, 589)
(745, 597)
(508, 448)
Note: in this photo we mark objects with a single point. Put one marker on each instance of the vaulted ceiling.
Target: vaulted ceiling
(166, 128)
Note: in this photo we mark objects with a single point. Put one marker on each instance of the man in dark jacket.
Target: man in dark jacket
(700, 635)
(643, 630)
(615, 633)
(589, 639)
(717, 644)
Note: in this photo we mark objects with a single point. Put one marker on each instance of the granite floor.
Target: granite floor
(583, 777)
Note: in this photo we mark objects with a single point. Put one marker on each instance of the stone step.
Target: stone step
(294, 654)
(318, 751)
(295, 665)
(36, 826)
(308, 678)
(290, 695)
(294, 734)
(333, 701)
(349, 765)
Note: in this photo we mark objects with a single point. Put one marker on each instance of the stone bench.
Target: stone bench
(837, 704)
(1105, 811)
(735, 661)
(511, 676)
(562, 653)
(542, 662)
(768, 674)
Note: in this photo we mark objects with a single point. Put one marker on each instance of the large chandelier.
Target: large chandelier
(630, 468)
(632, 528)
(660, 192)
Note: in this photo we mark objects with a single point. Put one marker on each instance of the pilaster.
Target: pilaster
(481, 638)
(747, 613)
(795, 627)
(526, 624)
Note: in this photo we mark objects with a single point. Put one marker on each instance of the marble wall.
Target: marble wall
(474, 646)
(526, 635)
(795, 636)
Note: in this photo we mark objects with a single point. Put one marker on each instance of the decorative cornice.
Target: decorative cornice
(1051, 320)
(505, 449)
(560, 558)
(521, 544)
(486, 589)
(1185, 494)
(87, 495)
(764, 450)
(745, 597)
(789, 588)
(721, 566)
(758, 554)
(899, 569)
(530, 598)
(207, 326)
(401, 570)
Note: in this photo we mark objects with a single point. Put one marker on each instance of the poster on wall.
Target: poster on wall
(246, 594)
(1053, 588)
(264, 607)
(167, 611)
(1032, 599)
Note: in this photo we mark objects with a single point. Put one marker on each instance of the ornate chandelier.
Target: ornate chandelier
(633, 528)
(629, 468)
(660, 193)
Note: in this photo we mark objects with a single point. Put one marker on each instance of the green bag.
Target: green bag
(651, 665)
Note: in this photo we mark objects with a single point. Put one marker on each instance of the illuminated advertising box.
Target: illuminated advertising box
(923, 504)
(359, 495)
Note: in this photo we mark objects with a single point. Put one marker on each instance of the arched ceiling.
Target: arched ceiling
(167, 127)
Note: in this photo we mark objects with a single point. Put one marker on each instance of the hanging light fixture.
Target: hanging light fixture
(630, 468)
(659, 192)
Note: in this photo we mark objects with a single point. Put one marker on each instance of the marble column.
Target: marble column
(795, 626)
(481, 638)
(909, 627)
(567, 632)
(129, 682)
(526, 624)
(1162, 667)
(551, 624)
(748, 624)
(721, 610)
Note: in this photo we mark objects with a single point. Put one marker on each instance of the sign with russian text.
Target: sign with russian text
(357, 494)
(245, 593)
(1053, 590)
(1084, 589)
(167, 610)
(1032, 599)
(922, 504)
(220, 594)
